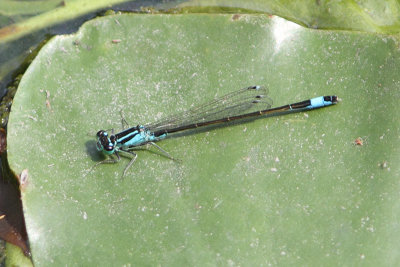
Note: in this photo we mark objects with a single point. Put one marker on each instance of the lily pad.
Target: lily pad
(294, 189)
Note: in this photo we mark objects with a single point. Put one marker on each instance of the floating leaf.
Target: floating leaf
(289, 190)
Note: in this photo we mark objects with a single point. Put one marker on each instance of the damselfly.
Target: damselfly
(245, 103)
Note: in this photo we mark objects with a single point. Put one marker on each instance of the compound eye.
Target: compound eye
(100, 133)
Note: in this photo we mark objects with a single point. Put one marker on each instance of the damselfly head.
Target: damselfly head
(101, 133)
(105, 143)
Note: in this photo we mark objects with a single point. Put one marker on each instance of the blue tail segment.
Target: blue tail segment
(322, 101)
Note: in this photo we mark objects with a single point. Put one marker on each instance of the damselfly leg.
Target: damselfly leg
(164, 152)
(125, 124)
(112, 160)
(134, 157)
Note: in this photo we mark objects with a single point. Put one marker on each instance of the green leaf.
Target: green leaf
(12, 8)
(367, 15)
(288, 190)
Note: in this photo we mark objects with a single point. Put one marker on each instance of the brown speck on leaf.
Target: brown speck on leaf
(359, 141)
(236, 16)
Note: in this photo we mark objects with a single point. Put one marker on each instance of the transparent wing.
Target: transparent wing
(249, 99)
